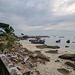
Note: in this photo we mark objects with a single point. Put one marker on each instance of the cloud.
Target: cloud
(62, 26)
(38, 15)
(26, 28)
(64, 7)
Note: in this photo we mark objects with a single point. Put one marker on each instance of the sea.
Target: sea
(51, 41)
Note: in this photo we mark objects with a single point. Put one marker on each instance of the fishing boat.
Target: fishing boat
(37, 41)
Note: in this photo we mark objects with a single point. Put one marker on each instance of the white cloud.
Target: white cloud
(38, 15)
(62, 26)
(71, 8)
(62, 7)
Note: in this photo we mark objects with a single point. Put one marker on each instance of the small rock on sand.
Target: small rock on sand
(52, 51)
(64, 71)
(70, 64)
(67, 56)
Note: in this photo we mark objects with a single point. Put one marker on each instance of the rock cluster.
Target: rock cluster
(46, 46)
(68, 56)
(26, 61)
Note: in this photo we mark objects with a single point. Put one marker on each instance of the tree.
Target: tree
(9, 35)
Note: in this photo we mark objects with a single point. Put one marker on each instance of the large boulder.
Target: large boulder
(73, 59)
(46, 46)
(64, 71)
(67, 56)
(52, 51)
(70, 64)
(42, 56)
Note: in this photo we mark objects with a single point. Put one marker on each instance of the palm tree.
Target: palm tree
(8, 30)
(9, 35)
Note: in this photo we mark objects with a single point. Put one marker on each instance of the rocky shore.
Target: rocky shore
(51, 61)
(37, 59)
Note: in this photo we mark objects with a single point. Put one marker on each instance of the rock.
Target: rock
(33, 55)
(14, 60)
(74, 69)
(45, 46)
(53, 47)
(20, 68)
(67, 56)
(66, 46)
(73, 59)
(38, 73)
(42, 56)
(26, 73)
(13, 72)
(52, 51)
(70, 64)
(35, 72)
(41, 61)
(57, 61)
(63, 71)
(37, 51)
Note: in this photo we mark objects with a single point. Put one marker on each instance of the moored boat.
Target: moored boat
(68, 41)
(37, 41)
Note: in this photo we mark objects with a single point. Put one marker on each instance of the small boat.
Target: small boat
(37, 41)
(68, 41)
(58, 41)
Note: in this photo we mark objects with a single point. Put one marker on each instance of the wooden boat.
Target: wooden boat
(37, 41)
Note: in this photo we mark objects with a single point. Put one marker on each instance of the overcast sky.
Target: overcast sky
(39, 17)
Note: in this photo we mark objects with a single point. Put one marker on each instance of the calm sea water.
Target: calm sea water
(52, 42)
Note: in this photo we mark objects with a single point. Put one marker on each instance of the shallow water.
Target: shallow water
(52, 41)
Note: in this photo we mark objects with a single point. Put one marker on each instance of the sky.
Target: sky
(39, 17)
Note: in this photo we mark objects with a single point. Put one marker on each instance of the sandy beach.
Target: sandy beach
(55, 66)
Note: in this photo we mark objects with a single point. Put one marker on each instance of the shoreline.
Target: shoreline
(50, 68)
